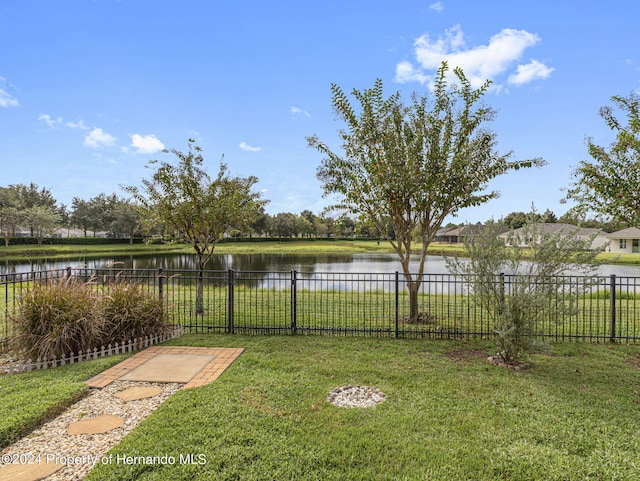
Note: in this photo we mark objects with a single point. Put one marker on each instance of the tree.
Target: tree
(126, 219)
(515, 220)
(549, 217)
(29, 196)
(608, 185)
(43, 220)
(314, 221)
(533, 290)
(10, 214)
(413, 165)
(81, 215)
(96, 214)
(283, 224)
(303, 226)
(200, 209)
(261, 223)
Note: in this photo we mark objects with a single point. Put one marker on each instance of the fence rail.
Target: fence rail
(373, 304)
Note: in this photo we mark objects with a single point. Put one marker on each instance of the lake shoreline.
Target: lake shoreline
(27, 254)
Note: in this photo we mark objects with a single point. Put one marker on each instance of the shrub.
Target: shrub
(131, 312)
(57, 317)
(533, 293)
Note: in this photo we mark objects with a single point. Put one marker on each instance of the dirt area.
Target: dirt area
(634, 361)
(465, 355)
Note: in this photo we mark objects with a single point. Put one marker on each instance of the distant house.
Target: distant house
(22, 232)
(551, 228)
(68, 232)
(447, 235)
(458, 235)
(624, 241)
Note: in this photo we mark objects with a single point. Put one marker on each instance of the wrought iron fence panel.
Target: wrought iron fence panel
(367, 304)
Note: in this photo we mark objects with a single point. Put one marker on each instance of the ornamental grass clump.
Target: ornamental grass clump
(131, 312)
(57, 317)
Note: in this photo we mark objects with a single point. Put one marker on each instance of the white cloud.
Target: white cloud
(77, 125)
(299, 111)
(146, 144)
(246, 147)
(529, 72)
(405, 72)
(51, 122)
(98, 138)
(479, 63)
(6, 99)
(438, 7)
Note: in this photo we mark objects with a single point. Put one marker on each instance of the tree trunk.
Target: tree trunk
(414, 288)
(200, 292)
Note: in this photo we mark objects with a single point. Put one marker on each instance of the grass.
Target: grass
(23, 253)
(82, 252)
(29, 399)
(449, 315)
(448, 415)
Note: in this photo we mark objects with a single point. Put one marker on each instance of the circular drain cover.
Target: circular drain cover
(356, 396)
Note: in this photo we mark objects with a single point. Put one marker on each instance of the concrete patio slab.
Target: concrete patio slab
(189, 366)
(169, 368)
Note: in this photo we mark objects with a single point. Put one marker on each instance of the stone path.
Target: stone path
(67, 447)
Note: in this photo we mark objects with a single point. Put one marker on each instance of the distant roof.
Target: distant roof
(464, 230)
(628, 233)
(553, 227)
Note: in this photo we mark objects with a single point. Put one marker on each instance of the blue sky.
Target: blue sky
(91, 90)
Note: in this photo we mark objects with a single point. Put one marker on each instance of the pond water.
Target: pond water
(333, 263)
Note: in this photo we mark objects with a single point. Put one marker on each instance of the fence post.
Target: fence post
(397, 298)
(230, 299)
(501, 301)
(612, 307)
(160, 282)
(294, 301)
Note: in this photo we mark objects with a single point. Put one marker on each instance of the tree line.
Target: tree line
(35, 208)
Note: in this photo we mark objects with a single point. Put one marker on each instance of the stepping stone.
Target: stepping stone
(97, 425)
(169, 368)
(28, 472)
(135, 393)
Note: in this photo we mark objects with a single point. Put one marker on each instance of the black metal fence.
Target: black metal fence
(368, 304)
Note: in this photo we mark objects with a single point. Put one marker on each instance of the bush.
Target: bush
(57, 317)
(533, 293)
(131, 312)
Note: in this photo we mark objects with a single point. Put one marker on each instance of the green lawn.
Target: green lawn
(449, 415)
(447, 315)
(82, 252)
